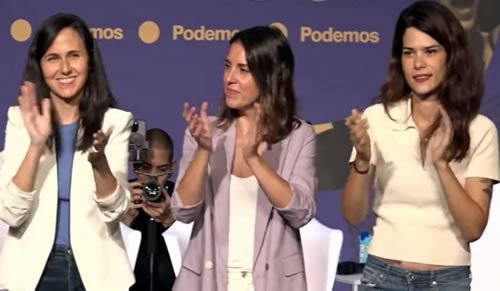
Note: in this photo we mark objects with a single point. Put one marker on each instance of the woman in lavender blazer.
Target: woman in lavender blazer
(247, 177)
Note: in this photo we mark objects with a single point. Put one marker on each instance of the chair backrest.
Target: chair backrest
(182, 231)
(321, 247)
(174, 251)
(132, 240)
(485, 252)
(176, 239)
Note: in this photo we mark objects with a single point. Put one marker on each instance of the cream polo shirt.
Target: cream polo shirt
(413, 221)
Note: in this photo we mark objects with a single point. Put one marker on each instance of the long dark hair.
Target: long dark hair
(271, 63)
(462, 88)
(97, 96)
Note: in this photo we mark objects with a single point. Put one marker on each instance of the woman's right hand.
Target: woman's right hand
(199, 125)
(38, 122)
(358, 128)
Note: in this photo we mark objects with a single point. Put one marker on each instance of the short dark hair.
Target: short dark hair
(97, 96)
(158, 138)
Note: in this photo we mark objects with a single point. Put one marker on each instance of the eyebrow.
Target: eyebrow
(425, 48)
(159, 166)
(239, 65)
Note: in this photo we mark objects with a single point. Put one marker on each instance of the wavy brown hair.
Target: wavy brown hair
(97, 96)
(461, 91)
(271, 63)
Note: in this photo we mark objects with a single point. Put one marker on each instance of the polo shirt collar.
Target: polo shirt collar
(400, 112)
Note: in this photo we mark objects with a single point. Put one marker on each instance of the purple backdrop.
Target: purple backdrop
(154, 80)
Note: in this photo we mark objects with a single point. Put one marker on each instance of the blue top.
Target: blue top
(65, 148)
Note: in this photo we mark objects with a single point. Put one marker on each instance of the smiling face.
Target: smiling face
(240, 88)
(424, 63)
(65, 66)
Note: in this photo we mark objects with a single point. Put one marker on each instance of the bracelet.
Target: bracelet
(358, 171)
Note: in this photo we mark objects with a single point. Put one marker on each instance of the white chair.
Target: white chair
(176, 238)
(485, 252)
(321, 247)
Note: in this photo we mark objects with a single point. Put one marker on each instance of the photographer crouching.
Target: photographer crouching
(150, 214)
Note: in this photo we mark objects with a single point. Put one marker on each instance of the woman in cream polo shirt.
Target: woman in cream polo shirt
(432, 157)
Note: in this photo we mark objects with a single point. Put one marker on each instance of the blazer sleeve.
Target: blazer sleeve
(186, 213)
(15, 205)
(303, 180)
(115, 206)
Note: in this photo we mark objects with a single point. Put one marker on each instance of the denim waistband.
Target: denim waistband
(60, 250)
(445, 273)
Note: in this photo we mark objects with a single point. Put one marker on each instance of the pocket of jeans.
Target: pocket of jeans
(371, 278)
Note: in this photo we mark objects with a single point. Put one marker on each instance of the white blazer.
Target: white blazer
(176, 238)
(94, 223)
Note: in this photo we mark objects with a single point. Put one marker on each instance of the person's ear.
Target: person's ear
(172, 166)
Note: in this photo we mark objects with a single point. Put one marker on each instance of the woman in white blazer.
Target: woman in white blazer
(63, 184)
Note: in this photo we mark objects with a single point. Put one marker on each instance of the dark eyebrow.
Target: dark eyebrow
(74, 51)
(50, 55)
(240, 65)
(425, 48)
(432, 47)
(56, 55)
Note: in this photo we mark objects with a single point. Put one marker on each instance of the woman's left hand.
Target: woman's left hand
(437, 149)
(253, 144)
(96, 154)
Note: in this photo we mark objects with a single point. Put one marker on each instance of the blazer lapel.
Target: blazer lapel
(220, 183)
(264, 206)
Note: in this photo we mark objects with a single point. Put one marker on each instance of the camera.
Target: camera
(152, 190)
(138, 149)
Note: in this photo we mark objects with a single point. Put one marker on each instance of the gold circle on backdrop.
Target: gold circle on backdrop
(281, 27)
(149, 32)
(20, 30)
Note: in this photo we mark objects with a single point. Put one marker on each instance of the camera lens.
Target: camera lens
(152, 192)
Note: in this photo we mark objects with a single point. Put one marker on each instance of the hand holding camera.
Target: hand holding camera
(152, 198)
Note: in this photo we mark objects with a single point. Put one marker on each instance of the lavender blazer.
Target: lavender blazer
(278, 260)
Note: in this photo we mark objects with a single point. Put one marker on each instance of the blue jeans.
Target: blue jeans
(61, 272)
(379, 275)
